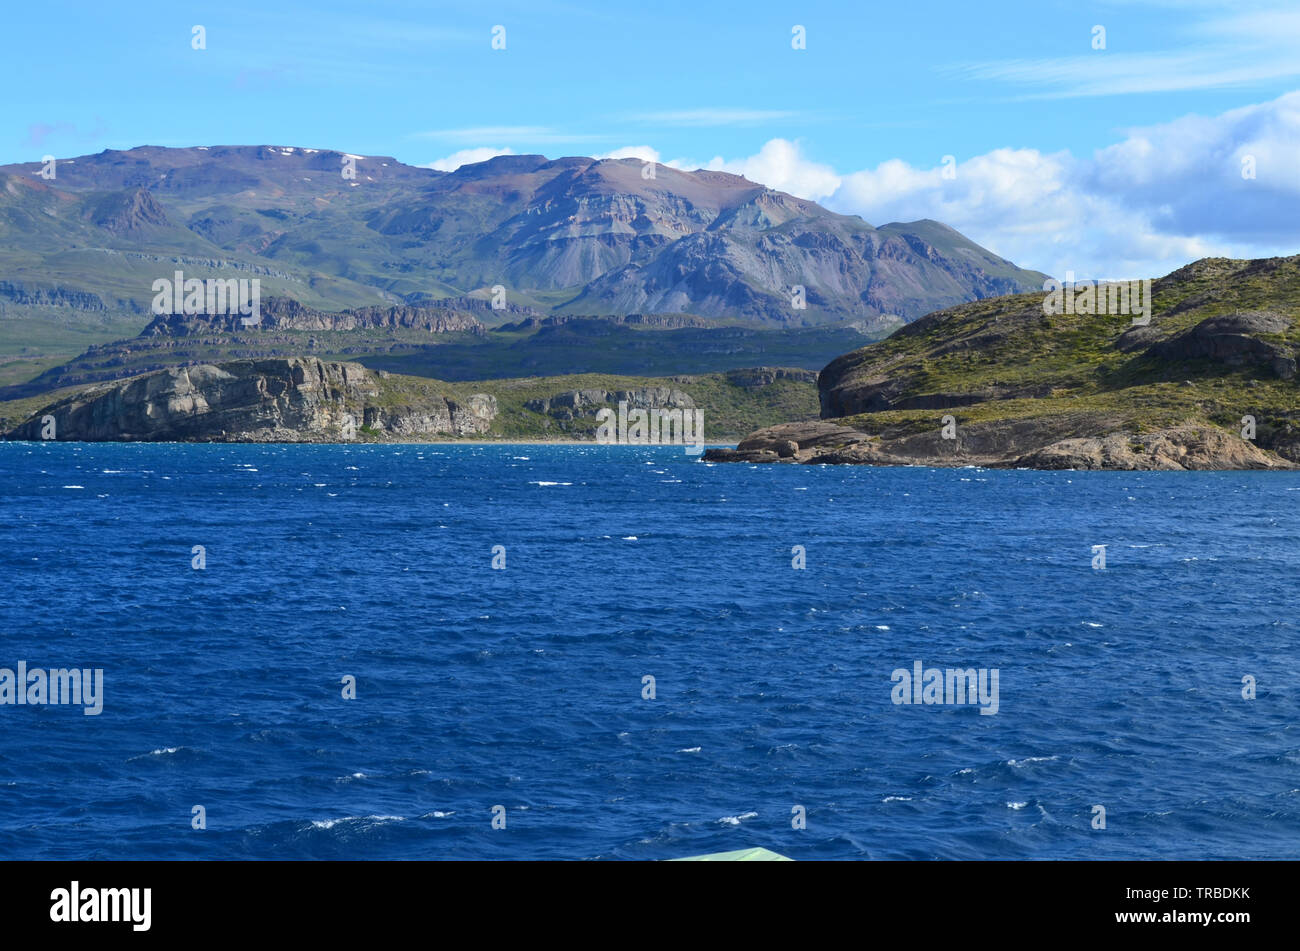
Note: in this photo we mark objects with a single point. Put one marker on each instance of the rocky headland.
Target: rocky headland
(1209, 382)
(291, 400)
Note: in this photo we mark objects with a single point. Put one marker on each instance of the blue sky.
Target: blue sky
(1115, 162)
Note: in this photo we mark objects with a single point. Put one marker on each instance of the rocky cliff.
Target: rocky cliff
(285, 313)
(291, 400)
(576, 404)
(305, 399)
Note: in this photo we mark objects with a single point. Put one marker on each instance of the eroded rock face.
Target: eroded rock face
(1231, 340)
(586, 403)
(283, 313)
(127, 213)
(290, 400)
(1188, 447)
(440, 416)
(754, 377)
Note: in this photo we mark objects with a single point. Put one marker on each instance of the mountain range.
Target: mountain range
(570, 235)
(1203, 376)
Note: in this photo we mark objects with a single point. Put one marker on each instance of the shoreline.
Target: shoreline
(354, 442)
(1001, 444)
(724, 450)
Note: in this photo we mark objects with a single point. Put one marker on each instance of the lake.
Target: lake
(308, 651)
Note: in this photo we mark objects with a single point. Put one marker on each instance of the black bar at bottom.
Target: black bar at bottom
(953, 901)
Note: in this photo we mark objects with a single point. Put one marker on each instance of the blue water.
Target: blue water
(522, 687)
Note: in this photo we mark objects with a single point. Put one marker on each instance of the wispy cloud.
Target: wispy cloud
(1159, 197)
(465, 157)
(513, 133)
(714, 117)
(39, 132)
(1117, 74)
(1249, 46)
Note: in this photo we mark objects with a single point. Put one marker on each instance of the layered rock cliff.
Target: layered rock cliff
(291, 400)
(576, 404)
(305, 399)
(285, 313)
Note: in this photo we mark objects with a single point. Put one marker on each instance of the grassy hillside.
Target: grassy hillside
(580, 346)
(1005, 359)
(1209, 381)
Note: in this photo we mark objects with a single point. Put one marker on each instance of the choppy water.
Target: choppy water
(523, 687)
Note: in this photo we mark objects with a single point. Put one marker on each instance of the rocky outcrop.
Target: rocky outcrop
(1205, 380)
(575, 404)
(480, 306)
(1233, 341)
(475, 415)
(789, 442)
(284, 313)
(658, 321)
(1185, 447)
(753, 377)
(291, 400)
(28, 296)
(1043, 443)
(192, 339)
(130, 213)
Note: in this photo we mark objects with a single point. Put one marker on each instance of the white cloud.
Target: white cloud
(1157, 198)
(481, 154)
(642, 152)
(780, 164)
(466, 157)
(1160, 197)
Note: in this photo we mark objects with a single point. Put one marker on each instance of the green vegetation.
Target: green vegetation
(1004, 359)
(586, 345)
(14, 412)
(730, 410)
(732, 404)
(33, 340)
(597, 346)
